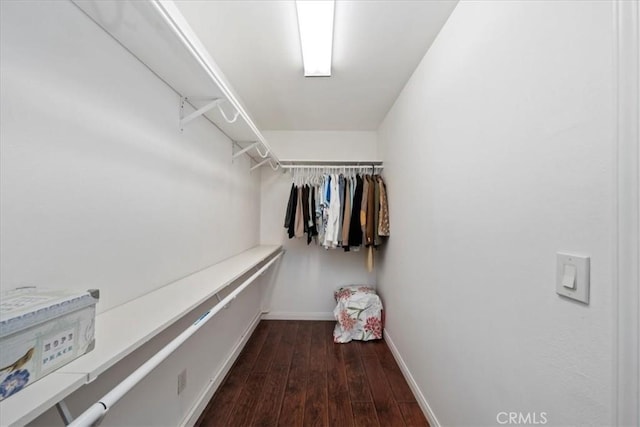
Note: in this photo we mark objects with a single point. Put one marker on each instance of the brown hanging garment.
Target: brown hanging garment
(363, 207)
(376, 210)
(370, 259)
(383, 225)
(369, 234)
(371, 201)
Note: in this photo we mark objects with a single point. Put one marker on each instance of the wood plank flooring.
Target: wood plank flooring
(291, 373)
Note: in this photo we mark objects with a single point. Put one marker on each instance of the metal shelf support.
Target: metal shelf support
(258, 165)
(227, 119)
(244, 150)
(213, 102)
(64, 412)
(264, 162)
(266, 153)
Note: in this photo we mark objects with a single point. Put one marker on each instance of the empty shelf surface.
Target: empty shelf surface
(123, 329)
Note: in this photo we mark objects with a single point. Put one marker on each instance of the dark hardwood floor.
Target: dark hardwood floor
(291, 373)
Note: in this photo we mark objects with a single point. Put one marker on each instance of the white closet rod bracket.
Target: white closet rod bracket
(266, 153)
(213, 102)
(224, 115)
(64, 412)
(264, 162)
(276, 167)
(244, 150)
(259, 165)
(220, 300)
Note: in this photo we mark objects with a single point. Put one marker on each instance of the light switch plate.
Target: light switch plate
(580, 292)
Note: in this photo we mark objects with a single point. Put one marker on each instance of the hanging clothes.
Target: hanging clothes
(355, 228)
(364, 205)
(301, 215)
(370, 222)
(335, 211)
(331, 234)
(353, 188)
(328, 232)
(342, 210)
(370, 259)
(326, 190)
(305, 209)
(290, 208)
(376, 212)
(370, 214)
(383, 223)
(299, 222)
(346, 214)
(292, 216)
(313, 229)
(319, 211)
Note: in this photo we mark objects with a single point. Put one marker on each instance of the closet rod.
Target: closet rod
(360, 166)
(99, 409)
(331, 163)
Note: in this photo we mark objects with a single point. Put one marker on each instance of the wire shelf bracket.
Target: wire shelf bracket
(220, 300)
(258, 165)
(213, 103)
(184, 119)
(244, 150)
(64, 412)
(264, 162)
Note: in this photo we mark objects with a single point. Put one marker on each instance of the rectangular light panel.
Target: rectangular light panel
(315, 22)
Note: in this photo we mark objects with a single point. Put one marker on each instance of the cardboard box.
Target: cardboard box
(42, 330)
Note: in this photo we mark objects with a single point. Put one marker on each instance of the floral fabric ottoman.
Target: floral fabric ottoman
(359, 314)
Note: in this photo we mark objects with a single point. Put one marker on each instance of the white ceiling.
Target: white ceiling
(377, 45)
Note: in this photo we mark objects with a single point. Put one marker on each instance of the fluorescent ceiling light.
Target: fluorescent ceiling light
(315, 22)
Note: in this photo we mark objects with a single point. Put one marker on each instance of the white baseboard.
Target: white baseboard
(422, 401)
(290, 315)
(200, 405)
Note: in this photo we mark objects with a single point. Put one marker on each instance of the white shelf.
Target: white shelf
(156, 33)
(34, 400)
(123, 329)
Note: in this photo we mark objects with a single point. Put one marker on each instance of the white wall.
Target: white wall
(99, 189)
(499, 153)
(304, 283)
(324, 145)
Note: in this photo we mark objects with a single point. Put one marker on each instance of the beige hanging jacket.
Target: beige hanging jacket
(383, 223)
